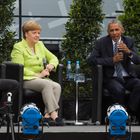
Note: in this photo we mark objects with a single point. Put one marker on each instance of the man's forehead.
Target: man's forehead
(114, 26)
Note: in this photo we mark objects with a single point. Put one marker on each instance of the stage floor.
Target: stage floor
(71, 129)
(73, 133)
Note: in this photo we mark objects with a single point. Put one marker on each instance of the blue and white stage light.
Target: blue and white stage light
(117, 117)
(30, 120)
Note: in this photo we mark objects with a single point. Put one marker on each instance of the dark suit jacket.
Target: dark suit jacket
(102, 54)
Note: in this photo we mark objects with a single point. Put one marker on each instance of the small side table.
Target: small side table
(77, 83)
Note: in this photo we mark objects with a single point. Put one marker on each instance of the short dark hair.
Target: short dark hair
(115, 21)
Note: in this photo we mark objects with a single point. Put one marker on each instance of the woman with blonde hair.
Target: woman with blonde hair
(31, 53)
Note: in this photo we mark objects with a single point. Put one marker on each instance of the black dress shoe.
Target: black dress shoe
(59, 122)
(49, 121)
(134, 120)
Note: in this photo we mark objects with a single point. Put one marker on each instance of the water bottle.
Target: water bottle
(68, 70)
(77, 67)
(77, 70)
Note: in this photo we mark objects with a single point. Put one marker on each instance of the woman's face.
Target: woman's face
(33, 36)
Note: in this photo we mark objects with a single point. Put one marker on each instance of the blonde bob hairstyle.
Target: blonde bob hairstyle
(30, 25)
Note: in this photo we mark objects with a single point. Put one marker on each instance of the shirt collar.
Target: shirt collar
(113, 42)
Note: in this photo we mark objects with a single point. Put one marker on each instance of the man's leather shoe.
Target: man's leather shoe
(59, 121)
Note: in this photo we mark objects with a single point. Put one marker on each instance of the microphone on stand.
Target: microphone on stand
(44, 62)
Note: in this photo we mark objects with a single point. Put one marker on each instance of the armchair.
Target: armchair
(15, 71)
(33, 96)
(101, 95)
(2, 73)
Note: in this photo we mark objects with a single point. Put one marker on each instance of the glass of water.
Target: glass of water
(80, 77)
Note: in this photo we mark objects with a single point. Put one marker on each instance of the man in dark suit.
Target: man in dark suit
(116, 53)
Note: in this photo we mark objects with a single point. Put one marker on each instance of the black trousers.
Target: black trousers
(117, 91)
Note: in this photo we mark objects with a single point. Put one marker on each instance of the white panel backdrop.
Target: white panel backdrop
(54, 27)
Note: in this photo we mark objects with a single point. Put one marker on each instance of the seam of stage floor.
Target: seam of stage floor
(76, 129)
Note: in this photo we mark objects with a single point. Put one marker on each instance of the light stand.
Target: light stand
(117, 117)
(31, 121)
(8, 116)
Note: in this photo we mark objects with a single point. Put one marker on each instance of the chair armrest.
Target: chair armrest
(99, 96)
(60, 74)
(136, 69)
(14, 71)
(57, 76)
(2, 70)
(97, 93)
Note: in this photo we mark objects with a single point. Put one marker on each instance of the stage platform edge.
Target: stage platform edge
(72, 133)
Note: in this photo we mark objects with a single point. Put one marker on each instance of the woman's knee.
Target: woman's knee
(58, 86)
